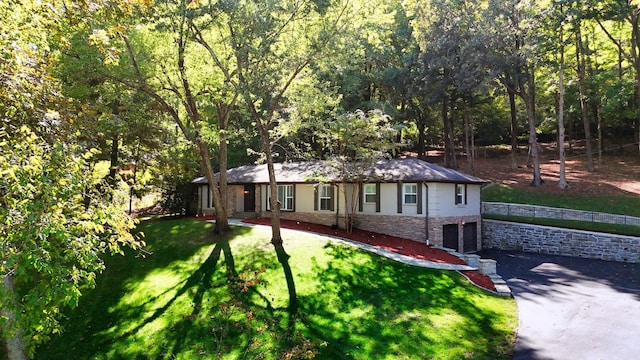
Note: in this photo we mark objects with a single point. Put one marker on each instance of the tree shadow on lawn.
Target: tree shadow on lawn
(218, 302)
(383, 309)
(100, 311)
(211, 313)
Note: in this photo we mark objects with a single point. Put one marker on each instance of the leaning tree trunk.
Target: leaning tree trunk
(12, 335)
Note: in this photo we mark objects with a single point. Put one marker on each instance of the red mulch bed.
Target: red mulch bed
(386, 242)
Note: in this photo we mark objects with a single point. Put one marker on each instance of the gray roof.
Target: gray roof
(407, 170)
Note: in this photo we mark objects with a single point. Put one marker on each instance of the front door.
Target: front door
(450, 236)
(470, 236)
(250, 198)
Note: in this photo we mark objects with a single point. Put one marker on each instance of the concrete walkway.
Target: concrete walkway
(573, 308)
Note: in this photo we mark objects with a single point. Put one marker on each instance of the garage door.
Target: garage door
(470, 236)
(450, 236)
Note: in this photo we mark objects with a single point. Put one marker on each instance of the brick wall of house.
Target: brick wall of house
(408, 227)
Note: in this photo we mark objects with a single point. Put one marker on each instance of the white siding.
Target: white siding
(304, 194)
(442, 200)
(388, 199)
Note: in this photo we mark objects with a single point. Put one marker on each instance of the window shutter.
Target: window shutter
(360, 197)
(208, 196)
(465, 194)
(399, 193)
(455, 194)
(377, 197)
(419, 204)
(293, 208)
(332, 201)
(316, 195)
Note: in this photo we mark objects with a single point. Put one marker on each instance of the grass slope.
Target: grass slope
(614, 204)
(621, 205)
(191, 299)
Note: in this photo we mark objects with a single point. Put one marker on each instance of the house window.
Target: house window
(325, 197)
(370, 193)
(461, 194)
(285, 197)
(410, 194)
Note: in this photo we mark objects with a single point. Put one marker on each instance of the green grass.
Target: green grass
(181, 302)
(620, 204)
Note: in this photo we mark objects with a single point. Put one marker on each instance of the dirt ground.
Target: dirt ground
(615, 174)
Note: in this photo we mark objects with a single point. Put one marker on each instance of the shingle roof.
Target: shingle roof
(407, 170)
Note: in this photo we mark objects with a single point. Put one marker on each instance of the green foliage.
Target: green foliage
(186, 300)
(359, 137)
(56, 220)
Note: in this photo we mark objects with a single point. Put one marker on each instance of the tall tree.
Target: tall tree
(513, 56)
(562, 181)
(581, 70)
(354, 143)
(272, 44)
(174, 77)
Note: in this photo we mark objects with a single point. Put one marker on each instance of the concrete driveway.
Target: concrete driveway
(572, 308)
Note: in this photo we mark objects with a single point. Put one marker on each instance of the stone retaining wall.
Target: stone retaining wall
(558, 241)
(537, 211)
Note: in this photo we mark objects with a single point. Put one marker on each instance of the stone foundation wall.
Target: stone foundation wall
(558, 241)
(327, 219)
(408, 227)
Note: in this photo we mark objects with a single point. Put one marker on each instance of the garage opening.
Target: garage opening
(470, 237)
(450, 236)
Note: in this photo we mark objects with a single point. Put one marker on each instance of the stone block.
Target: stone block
(487, 267)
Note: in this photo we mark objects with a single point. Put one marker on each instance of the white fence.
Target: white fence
(536, 211)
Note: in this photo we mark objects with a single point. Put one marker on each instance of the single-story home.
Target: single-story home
(406, 197)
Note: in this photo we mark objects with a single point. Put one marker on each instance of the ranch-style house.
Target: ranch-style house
(406, 197)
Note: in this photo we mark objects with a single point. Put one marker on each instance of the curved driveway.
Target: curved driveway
(572, 308)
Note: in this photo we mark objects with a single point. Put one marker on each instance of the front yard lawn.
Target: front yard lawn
(181, 300)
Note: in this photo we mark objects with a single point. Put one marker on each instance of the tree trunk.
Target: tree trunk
(13, 341)
(276, 236)
(527, 91)
(467, 140)
(447, 133)
(514, 129)
(449, 143)
(583, 98)
(562, 182)
(635, 44)
(113, 161)
(222, 220)
(422, 151)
